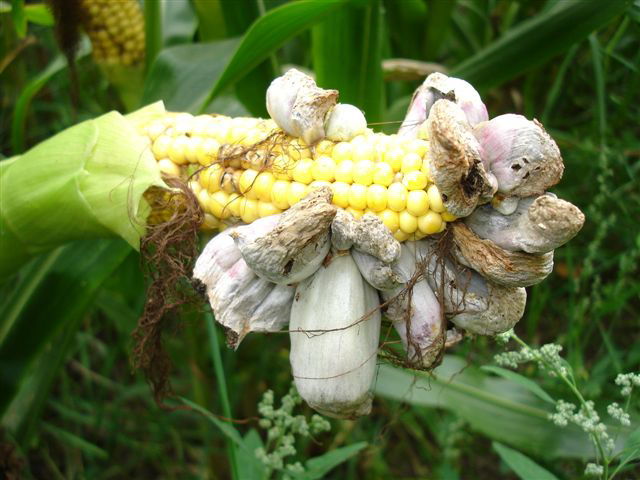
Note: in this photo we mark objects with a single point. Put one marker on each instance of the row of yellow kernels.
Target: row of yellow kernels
(221, 206)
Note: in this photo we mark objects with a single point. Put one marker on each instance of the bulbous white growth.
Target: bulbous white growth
(335, 326)
(344, 122)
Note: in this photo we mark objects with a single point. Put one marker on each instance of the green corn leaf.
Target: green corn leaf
(266, 35)
(524, 467)
(536, 40)
(62, 295)
(152, 29)
(211, 24)
(318, 467)
(179, 22)
(84, 182)
(19, 17)
(182, 75)
(501, 409)
(356, 71)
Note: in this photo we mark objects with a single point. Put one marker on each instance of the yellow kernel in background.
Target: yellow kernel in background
(167, 166)
(207, 151)
(363, 172)
(249, 210)
(341, 194)
(161, 145)
(263, 185)
(355, 213)
(408, 223)
(191, 149)
(344, 171)
(447, 217)
(324, 169)
(297, 191)
(394, 157)
(154, 130)
(415, 180)
(425, 169)
(435, 199)
(400, 235)
(411, 162)
(417, 202)
(195, 187)
(383, 174)
(419, 146)
(342, 151)
(358, 197)
(203, 200)
(267, 208)
(215, 172)
(302, 171)
(390, 219)
(377, 198)
(218, 205)
(429, 223)
(397, 197)
(298, 150)
(247, 183)
(279, 192)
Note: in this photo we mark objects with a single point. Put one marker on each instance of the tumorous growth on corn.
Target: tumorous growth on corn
(116, 30)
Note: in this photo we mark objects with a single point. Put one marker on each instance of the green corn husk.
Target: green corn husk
(85, 182)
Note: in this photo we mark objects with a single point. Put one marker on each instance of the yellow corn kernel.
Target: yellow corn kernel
(207, 151)
(249, 210)
(203, 199)
(390, 219)
(195, 187)
(400, 236)
(233, 205)
(383, 174)
(408, 223)
(167, 166)
(419, 146)
(282, 167)
(263, 185)
(323, 148)
(417, 202)
(448, 217)
(341, 194)
(279, 193)
(435, 199)
(377, 198)
(363, 172)
(425, 169)
(296, 192)
(230, 180)
(393, 157)
(411, 162)
(298, 150)
(177, 150)
(161, 146)
(318, 184)
(362, 149)
(267, 208)
(358, 196)
(342, 151)
(344, 171)
(154, 130)
(415, 180)
(429, 223)
(302, 171)
(324, 169)
(210, 222)
(355, 213)
(247, 183)
(397, 197)
(218, 205)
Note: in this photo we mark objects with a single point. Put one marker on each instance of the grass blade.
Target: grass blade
(152, 30)
(524, 467)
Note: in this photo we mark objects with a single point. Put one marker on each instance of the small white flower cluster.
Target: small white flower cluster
(627, 381)
(503, 338)
(618, 413)
(282, 427)
(587, 419)
(593, 470)
(547, 357)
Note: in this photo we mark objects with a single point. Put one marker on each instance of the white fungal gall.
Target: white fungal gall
(334, 331)
(344, 122)
(299, 106)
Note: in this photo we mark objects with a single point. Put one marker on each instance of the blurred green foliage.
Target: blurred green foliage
(75, 408)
